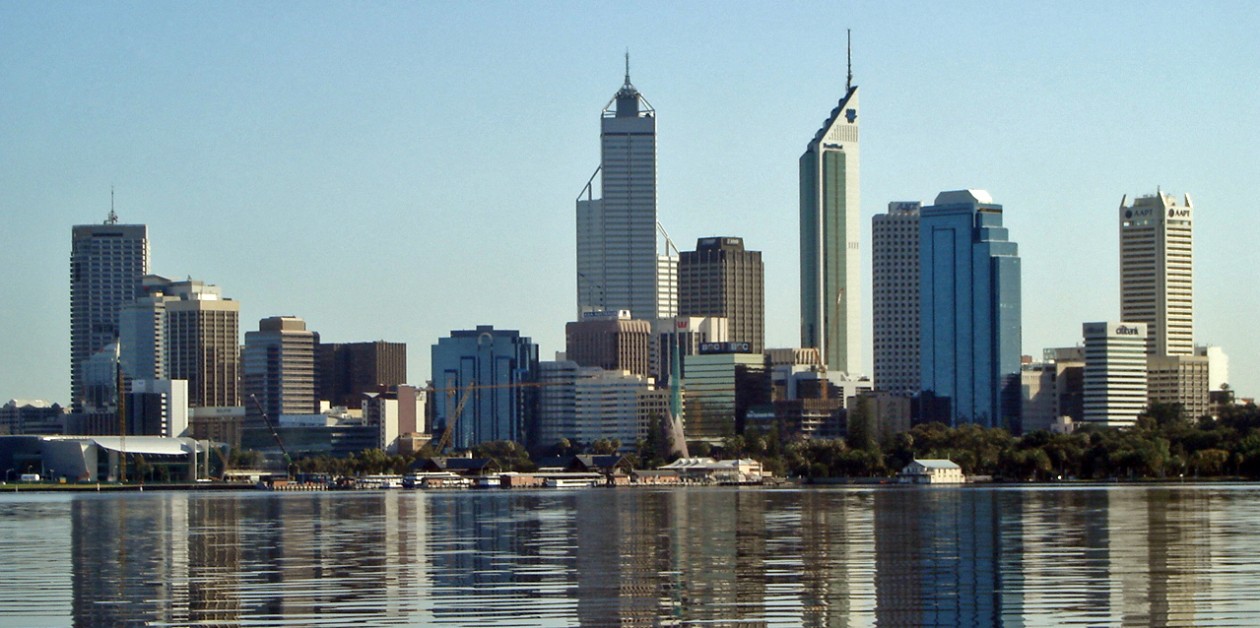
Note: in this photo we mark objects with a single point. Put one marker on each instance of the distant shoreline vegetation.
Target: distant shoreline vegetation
(1162, 445)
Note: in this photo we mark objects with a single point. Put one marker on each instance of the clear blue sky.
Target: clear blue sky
(397, 170)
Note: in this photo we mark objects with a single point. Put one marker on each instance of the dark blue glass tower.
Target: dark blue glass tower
(969, 290)
(494, 366)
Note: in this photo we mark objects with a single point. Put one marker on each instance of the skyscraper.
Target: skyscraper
(618, 267)
(279, 370)
(107, 263)
(492, 365)
(184, 330)
(720, 278)
(1156, 271)
(895, 310)
(969, 311)
(830, 237)
(203, 344)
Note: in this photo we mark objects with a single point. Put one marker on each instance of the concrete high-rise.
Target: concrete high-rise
(721, 278)
(1115, 373)
(203, 344)
(184, 330)
(611, 341)
(107, 263)
(1156, 271)
(494, 366)
(348, 370)
(895, 307)
(279, 370)
(969, 311)
(618, 267)
(830, 239)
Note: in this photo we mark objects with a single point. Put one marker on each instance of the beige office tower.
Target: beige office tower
(1156, 271)
(203, 344)
(279, 369)
(183, 330)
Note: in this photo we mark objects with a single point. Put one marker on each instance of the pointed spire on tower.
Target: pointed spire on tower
(627, 66)
(848, 85)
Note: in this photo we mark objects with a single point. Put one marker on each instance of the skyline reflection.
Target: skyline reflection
(1011, 556)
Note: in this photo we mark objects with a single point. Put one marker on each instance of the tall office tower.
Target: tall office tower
(618, 267)
(1156, 271)
(142, 331)
(348, 370)
(183, 330)
(107, 263)
(969, 311)
(495, 367)
(895, 310)
(1115, 373)
(279, 371)
(720, 278)
(203, 344)
(610, 340)
(830, 235)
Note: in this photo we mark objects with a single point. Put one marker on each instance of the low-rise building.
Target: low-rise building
(931, 471)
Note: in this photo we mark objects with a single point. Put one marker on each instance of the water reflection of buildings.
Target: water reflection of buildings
(180, 558)
(1159, 554)
(134, 558)
(940, 556)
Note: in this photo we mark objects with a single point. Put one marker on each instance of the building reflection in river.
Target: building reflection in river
(889, 556)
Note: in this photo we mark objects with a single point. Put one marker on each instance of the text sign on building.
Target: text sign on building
(709, 348)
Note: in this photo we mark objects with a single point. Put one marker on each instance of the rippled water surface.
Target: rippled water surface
(1035, 556)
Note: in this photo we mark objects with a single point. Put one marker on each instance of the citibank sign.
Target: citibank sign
(1125, 330)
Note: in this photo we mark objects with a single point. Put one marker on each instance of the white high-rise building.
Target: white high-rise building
(107, 263)
(1115, 373)
(1156, 271)
(895, 310)
(830, 239)
(618, 265)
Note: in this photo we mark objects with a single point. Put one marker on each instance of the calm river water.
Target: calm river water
(1015, 556)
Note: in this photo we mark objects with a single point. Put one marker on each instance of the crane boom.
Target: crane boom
(288, 460)
(454, 419)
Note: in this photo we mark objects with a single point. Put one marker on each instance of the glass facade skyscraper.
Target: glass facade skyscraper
(618, 267)
(969, 312)
(830, 239)
(495, 366)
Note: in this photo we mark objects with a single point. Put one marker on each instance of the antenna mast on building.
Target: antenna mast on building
(112, 219)
(849, 84)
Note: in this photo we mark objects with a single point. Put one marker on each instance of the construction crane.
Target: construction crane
(288, 461)
(454, 418)
(466, 392)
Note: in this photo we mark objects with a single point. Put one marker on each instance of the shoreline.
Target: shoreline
(13, 487)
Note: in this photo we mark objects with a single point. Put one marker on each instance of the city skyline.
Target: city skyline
(241, 153)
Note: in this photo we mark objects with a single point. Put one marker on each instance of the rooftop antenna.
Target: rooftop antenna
(848, 86)
(627, 66)
(112, 219)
